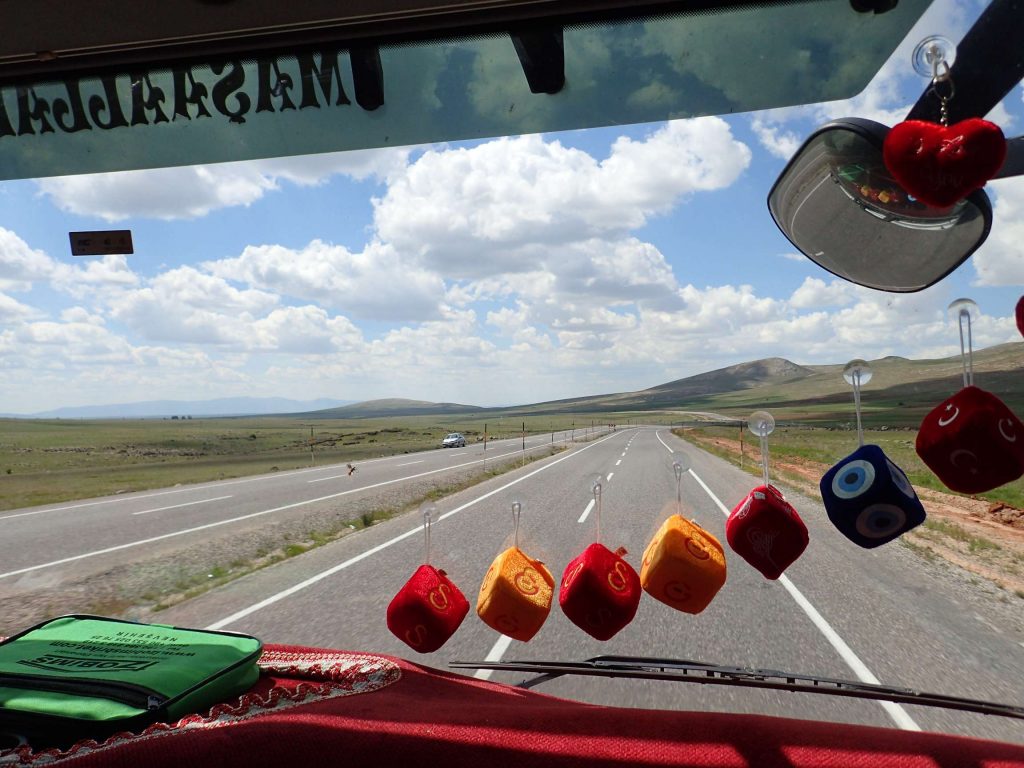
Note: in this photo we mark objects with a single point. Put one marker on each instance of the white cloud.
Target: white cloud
(1000, 261)
(194, 191)
(21, 265)
(375, 283)
(814, 292)
(11, 310)
(496, 208)
(781, 143)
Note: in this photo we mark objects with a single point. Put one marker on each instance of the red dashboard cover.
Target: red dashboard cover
(315, 707)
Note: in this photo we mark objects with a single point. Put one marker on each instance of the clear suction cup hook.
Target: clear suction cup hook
(428, 511)
(963, 312)
(762, 424)
(857, 373)
(933, 55)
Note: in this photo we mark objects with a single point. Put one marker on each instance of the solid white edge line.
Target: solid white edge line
(176, 506)
(418, 530)
(859, 668)
(495, 654)
(658, 435)
(583, 517)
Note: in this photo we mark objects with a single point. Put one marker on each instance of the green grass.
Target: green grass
(48, 461)
(975, 544)
(827, 446)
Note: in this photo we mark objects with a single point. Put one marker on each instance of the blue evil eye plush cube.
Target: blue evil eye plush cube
(869, 499)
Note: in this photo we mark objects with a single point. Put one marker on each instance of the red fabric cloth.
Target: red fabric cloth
(320, 708)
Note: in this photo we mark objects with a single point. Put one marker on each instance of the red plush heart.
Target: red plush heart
(939, 164)
(1020, 315)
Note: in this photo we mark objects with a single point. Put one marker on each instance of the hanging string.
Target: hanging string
(426, 534)
(597, 503)
(517, 509)
(764, 454)
(856, 406)
(966, 356)
(678, 469)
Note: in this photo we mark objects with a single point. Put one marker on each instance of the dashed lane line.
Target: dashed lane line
(417, 531)
(186, 504)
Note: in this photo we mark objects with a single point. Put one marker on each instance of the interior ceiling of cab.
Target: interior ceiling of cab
(53, 40)
(128, 85)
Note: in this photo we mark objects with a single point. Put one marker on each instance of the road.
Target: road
(840, 611)
(82, 535)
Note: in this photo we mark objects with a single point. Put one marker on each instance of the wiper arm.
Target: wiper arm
(683, 670)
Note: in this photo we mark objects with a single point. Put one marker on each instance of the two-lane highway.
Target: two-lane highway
(82, 536)
(840, 611)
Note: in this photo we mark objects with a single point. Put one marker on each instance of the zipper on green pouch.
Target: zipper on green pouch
(133, 695)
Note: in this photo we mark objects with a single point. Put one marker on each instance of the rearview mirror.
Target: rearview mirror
(839, 206)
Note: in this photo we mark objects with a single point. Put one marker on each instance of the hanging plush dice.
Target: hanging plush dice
(600, 591)
(764, 529)
(427, 610)
(684, 566)
(429, 607)
(515, 596)
(867, 497)
(972, 441)
(1019, 312)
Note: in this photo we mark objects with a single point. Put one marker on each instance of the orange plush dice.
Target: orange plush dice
(515, 597)
(684, 566)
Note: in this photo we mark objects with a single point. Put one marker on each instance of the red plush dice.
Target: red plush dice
(1019, 312)
(427, 610)
(766, 531)
(972, 441)
(600, 591)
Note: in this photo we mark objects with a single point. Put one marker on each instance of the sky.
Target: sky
(488, 272)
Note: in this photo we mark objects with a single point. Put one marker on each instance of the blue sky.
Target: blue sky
(486, 272)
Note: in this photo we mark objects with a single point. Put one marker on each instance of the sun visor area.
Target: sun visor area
(329, 97)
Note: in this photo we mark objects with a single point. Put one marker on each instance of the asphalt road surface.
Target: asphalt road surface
(840, 611)
(58, 541)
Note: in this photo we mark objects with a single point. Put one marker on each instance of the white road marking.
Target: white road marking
(657, 435)
(417, 531)
(894, 710)
(590, 506)
(460, 453)
(217, 523)
(494, 654)
(618, 462)
(410, 463)
(607, 479)
(186, 504)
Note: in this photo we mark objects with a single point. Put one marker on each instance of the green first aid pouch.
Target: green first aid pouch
(78, 677)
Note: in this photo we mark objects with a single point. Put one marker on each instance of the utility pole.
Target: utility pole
(312, 456)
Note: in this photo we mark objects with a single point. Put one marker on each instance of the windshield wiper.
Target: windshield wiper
(682, 670)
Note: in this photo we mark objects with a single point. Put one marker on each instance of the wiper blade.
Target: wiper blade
(684, 670)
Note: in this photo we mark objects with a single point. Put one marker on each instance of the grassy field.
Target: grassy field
(47, 461)
(827, 446)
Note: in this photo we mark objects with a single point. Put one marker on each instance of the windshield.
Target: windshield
(235, 420)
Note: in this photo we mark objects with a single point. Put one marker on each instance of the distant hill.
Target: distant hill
(224, 406)
(390, 407)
